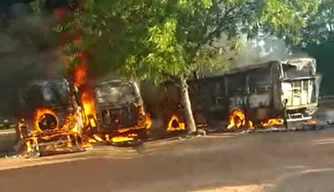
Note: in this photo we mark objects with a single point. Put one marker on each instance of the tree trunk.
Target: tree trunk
(190, 121)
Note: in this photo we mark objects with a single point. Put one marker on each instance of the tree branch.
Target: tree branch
(219, 27)
(224, 19)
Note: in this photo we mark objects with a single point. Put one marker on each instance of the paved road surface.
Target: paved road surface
(285, 159)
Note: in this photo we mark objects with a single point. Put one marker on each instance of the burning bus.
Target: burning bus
(276, 93)
(120, 115)
(164, 105)
(50, 118)
(268, 94)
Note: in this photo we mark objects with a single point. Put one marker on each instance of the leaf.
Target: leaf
(157, 39)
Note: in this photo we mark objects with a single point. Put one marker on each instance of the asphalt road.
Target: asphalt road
(293, 162)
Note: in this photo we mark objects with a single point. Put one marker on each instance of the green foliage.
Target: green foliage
(320, 26)
(324, 55)
(37, 6)
(160, 38)
(318, 37)
(286, 19)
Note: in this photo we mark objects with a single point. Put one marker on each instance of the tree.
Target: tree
(318, 41)
(320, 26)
(161, 39)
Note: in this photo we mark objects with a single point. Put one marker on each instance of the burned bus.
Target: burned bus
(265, 94)
(259, 95)
(120, 115)
(50, 117)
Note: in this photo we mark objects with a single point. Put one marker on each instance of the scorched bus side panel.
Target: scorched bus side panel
(260, 91)
(252, 90)
(255, 92)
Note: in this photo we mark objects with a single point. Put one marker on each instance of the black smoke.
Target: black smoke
(28, 49)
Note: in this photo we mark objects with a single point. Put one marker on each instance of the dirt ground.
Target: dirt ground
(275, 162)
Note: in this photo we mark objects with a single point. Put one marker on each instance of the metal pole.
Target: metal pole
(285, 114)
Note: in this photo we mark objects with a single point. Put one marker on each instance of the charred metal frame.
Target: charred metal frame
(139, 127)
(252, 83)
(34, 141)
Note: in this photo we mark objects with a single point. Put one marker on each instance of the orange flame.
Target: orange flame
(175, 124)
(69, 133)
(122, 133)
(118, 139)
(80, 74)
(80, 79)
(272, 122)
(312, 121)
(88, 103)
(39, 114)
(115, 139)
(237, 119)
(147, 121)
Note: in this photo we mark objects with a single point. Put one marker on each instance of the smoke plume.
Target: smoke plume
(264, 48)
(259, 50)
(25, 53)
